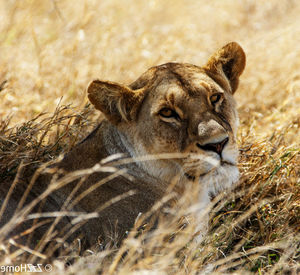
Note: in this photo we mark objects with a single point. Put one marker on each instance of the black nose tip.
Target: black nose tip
(215, 147)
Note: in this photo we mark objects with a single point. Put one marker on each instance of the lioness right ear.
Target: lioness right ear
(117, 102)
(228, 62)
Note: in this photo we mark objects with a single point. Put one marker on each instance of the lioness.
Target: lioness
(172, 108)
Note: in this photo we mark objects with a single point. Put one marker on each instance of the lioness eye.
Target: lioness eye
(166, 112)
(215, 98)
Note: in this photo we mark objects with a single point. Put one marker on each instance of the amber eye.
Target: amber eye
(215, 98)
(168, 113)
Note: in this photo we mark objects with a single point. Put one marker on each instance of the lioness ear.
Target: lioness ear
(228, 62)
(115, 101)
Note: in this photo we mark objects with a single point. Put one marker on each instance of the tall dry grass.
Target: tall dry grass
(52, 49)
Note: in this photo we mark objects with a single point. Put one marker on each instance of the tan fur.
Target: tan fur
(135, 127)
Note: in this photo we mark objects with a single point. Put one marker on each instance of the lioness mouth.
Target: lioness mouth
(215, 147)
(224, 162)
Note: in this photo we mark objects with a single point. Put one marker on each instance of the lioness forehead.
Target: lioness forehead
(183, 79)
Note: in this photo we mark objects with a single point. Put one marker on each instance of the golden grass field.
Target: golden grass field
(51, 50)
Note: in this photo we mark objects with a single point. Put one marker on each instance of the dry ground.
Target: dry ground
(50, 50)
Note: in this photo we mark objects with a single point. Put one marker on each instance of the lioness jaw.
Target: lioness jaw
(174, 108)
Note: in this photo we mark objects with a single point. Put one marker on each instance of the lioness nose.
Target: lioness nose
(215, 147)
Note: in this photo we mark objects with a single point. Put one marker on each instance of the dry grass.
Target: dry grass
(51, 49)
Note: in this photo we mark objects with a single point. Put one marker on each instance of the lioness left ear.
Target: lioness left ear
(117, 102)
(228, 62)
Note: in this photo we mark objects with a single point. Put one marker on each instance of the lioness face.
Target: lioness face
(180, 108)
(187, 112)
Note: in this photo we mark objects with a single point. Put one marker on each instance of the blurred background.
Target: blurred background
(50, 49)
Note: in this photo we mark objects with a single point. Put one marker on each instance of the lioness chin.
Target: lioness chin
(174, 108)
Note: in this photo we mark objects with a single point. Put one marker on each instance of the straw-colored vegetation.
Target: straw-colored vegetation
(50, 50)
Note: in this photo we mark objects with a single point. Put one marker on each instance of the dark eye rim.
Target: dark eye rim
(218, 95)
(173, 113)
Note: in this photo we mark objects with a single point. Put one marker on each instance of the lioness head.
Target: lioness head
(180, 108)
